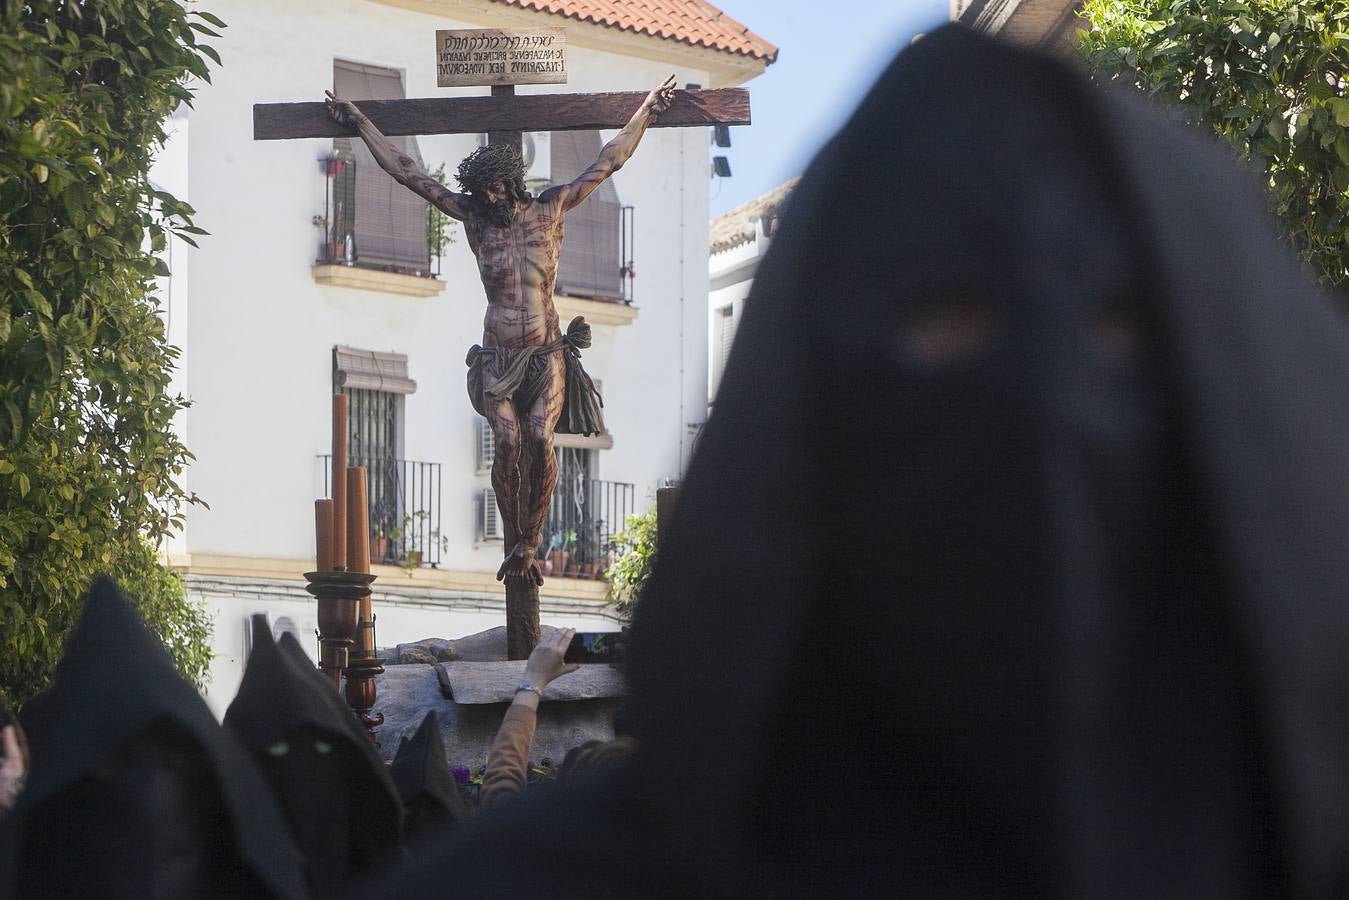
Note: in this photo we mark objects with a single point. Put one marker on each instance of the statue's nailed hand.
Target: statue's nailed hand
(659, 100)
(344, 111)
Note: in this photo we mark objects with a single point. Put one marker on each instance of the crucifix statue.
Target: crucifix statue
(526, 377)
(527, 373)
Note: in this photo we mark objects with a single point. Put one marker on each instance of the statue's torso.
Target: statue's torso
(518, 265)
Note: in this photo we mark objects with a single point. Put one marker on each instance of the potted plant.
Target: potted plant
(559, 550)
(438, 228)
(414, 534)
(379, 537)
(590, 550)
(634, 551)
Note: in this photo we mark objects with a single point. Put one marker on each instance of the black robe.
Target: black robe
(333, 788)
(135, 789)
(420, 771)
(1011, 561)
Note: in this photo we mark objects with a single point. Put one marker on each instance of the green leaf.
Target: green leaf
(6, 467)
(1339, 106)
(24, 484)
(209, 18)
(38, 302)
(40, 172)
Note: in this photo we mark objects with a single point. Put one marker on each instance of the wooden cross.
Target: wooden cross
(501, 113)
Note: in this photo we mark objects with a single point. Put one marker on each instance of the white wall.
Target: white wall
(261, 331)
(731, 275)
(402, 616)
(169, 172)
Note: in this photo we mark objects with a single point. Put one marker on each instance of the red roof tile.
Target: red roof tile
(737, 226)
(691, 22)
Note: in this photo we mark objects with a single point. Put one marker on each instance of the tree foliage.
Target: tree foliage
(89, 464)
(1268, 76)
(635, 555)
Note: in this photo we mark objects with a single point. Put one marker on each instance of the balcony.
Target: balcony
(577, 538)
(404, 509)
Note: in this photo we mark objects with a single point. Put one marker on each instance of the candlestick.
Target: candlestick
(339, 481)
(358, 521)
(323, 535)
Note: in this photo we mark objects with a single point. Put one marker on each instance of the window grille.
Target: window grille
(385, 221)
(374, 422)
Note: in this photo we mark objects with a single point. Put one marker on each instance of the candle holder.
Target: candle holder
(339, 597)
(362, 668)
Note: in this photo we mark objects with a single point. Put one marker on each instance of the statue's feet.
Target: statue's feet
(520, 565)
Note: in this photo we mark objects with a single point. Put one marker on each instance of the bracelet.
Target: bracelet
(526, 686)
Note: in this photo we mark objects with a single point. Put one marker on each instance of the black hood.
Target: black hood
(128, 761)
(329, 780)
(424, 781)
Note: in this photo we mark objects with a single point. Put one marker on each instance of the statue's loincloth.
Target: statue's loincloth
(521, 374)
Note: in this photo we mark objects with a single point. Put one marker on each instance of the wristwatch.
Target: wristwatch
(526, 686)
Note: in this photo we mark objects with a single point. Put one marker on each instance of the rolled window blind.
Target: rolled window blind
(589, 263)
(390, 220)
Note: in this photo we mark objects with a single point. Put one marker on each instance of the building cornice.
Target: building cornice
(391, 577)
(724, 69)
(376, 280)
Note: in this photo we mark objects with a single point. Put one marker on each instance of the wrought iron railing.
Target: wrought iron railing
(341, 243)
(404, 509)
(586, 513)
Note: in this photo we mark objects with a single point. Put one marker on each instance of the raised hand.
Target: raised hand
(545, 663)
(659, 100)
(12, 770)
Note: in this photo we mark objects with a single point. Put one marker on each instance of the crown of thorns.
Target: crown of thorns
(495, 162)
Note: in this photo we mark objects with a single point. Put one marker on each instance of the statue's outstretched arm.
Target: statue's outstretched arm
(620, 149)
(391, 159)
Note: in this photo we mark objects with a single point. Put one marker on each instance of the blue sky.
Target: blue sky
(829, 55)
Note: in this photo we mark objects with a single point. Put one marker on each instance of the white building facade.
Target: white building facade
(314, 279)
(739, 238)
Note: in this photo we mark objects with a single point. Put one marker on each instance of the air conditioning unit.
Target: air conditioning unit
(279, 625)
(538, 154)
(490, 526)
(487, 446)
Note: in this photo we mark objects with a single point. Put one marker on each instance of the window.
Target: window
(375, 221)
(375, 384)
(590, 263)
(723, 335)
